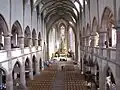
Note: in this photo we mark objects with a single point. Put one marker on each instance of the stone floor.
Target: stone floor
(54, 78)
(58, 84)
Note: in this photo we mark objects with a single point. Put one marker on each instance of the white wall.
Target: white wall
(17, 11)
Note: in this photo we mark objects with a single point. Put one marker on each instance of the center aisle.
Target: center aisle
(57, 78)
(59, 81)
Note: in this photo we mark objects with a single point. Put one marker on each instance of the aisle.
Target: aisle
(59, 81)
(53, 78)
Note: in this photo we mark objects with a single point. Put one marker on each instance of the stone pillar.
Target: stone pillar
(87, 40)
(22, 76)
(31, 66)
(103, 37)
(92, 45)
(93, 42)
(36, 42)
(30, 42)
(117, 77)
(9, 81)
(21, 42)
(7, 46)
(68, 39)
(37, 68)
(48, 57)
(31, 70)
(7, 42)
(22, 72)
(37, 61)
(1, 77)
(44, 51)
(0, 36)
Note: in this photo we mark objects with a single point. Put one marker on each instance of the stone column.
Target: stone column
(93, 41)
(1, 77)
(22, 72)
(31, 70)
(43, 53)
(7, 46)
(9, 81)
(102, 39)
(67, 39)
(118, 58)
(37, 68)
(31, 67)
(0, 36)
(92, 45)
(36, 42)
(7, 42)
(37, 61)
(22, 76)
(82, 56)
(87, 40)
(30, 42)
(21, 42)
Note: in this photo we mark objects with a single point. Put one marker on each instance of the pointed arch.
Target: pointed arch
(27, 36)
(39, 39)
(34, 37)
(18, 64)
(94, 25)
(34, 34)
(39, 36)
(16, 34)
(88, 29)
(107, 17)
(34, 62)
(4, 26)
(16, 27)
(27, 68)
(27, 32)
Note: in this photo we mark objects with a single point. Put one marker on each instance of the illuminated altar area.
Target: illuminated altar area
(61, 39)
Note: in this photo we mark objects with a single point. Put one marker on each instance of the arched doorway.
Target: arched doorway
(2, 79)
(16, 34)
(27, 35)
(27, 68)
(40, 64)
(16, 75)
(34, 64)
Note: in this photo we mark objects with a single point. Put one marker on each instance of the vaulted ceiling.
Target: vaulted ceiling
(53, 10)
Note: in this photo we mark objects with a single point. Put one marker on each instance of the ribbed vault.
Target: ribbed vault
(54, 10)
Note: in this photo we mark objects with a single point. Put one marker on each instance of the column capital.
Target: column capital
(102, 30)
(93, 34)
(29, 38)
(20, 36)
(87, 36)
(7, 35)
(36, 39)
